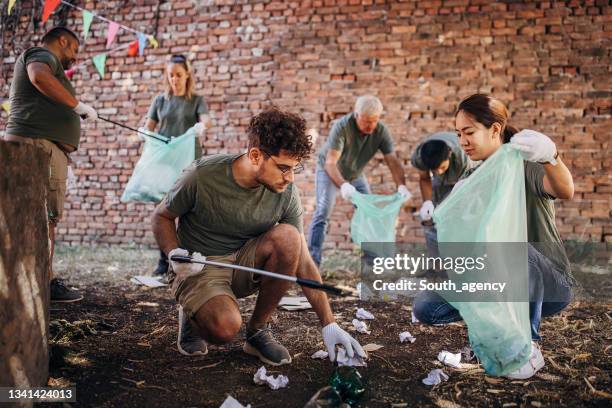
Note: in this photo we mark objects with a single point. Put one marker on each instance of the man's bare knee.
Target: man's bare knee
(219, 320)
(283, 241)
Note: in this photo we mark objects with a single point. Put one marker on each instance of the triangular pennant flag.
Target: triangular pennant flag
(87, 17)
(111, 33)
(153, 41)
(11, 3)
(50, 6)
(6, 106)
(133, 49)
(70, 72)
(100, 63)
(142, 43)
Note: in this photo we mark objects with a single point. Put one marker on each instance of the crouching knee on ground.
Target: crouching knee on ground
(218, 328)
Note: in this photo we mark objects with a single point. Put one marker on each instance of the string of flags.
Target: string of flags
(136, 47)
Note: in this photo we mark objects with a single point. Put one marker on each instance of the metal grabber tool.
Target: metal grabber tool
(309, 283)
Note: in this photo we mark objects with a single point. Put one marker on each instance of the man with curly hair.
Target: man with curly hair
(243, 209)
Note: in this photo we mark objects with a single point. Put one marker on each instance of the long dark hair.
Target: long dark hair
(487, 110)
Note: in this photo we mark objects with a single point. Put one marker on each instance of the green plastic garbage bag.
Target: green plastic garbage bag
(375, 217)
(159, 166)
(489, 208)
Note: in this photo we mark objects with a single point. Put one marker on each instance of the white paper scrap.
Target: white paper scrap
(148, 281)
(450, 359)
(435, 377)
(260, 378)
(322, 355)
(231, 402)
(406, 336)
(361, 327)
(364, 314)
(344, 360)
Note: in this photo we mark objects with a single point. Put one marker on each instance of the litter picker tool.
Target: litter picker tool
(309, 283)
(165, 140)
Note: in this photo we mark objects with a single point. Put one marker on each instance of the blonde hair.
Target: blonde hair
(189, 84)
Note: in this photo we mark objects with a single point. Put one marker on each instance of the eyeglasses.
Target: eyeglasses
(178, 58)
(297, 169)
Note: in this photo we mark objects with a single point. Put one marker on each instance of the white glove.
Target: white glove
(426, 210)
(333, 334)
(347, 190)
(200, 129)
(184, 269)
(403, 190)
(86, 111)
(534, 146)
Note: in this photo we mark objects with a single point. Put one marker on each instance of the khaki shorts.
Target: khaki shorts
(58, 173)
(193, 291)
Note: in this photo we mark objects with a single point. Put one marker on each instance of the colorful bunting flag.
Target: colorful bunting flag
(100, 63)
(142, 43)
(133, 49)
(111, 33)
(87, 18)
(153, 41)
(50, 6)
(11, 3)
(6, 106)
(70, 72)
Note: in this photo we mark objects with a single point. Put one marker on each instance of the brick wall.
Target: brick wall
(549, 61)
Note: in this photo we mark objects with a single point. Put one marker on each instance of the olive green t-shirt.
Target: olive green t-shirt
(34, 115)
(176, 114)
(356, 147)
(217, 216)
(459, 162)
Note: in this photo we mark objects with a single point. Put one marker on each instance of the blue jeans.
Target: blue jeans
(431, 240)
(326, 199)
(544, 284)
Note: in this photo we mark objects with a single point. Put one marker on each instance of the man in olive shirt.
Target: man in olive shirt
(44, 112)
(440, 162)
(243, 209)
(352, 142)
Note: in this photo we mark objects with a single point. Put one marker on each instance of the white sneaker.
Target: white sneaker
(535, 362)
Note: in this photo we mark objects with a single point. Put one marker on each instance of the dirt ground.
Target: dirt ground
(120, 352)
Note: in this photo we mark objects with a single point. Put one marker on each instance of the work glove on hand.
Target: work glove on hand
(426, 210)
(347, 190)
(403, 190)
(534, 146)
(85, 111)
(333, 334)
(200, 129)
(184, 269)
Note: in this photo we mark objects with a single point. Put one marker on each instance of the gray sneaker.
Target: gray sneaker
(263, 345)
(188, 341)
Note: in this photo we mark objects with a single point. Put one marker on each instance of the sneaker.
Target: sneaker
(188, 342)
(61, 293)
(535, 362)
(162, 267)
(262, 344)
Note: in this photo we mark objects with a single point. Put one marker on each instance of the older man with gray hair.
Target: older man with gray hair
(353, 141)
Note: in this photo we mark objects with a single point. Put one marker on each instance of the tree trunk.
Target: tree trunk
(24, 260)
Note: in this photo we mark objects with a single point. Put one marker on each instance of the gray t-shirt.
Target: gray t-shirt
(34, 115)
(356, 147)
(217, 216)
(459, 163)
(175, 115)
